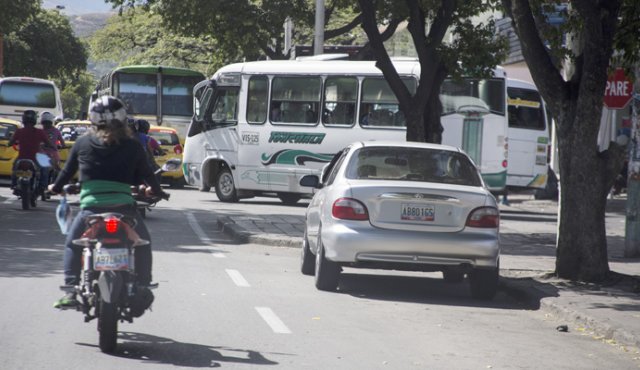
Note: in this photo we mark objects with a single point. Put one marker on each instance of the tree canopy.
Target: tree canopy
(138, 36)
(44, 46)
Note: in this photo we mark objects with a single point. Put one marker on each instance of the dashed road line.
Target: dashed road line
(237, 278)
(272, 320)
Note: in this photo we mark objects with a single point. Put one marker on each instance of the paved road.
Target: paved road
(221, 304)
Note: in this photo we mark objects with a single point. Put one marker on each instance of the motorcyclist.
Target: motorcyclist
(29, 140)
(141, 127)
(55, 138)
(109, 160)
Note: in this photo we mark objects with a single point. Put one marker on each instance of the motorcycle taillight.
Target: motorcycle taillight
(111, 225)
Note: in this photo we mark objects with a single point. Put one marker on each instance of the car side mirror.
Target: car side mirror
(312, 181)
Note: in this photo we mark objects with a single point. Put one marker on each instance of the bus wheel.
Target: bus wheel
(225, 188)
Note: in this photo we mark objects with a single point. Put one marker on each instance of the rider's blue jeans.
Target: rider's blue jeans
(73, 253)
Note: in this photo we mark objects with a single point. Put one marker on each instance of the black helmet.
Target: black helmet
(107, 109)
(29, 117)
(143, 126)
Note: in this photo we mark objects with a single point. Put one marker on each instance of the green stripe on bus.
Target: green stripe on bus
(495, 180)
(153, 69)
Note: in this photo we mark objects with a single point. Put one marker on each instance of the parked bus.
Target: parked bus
(528, 136)
(260, 126)
(18, 94)
(161, 95)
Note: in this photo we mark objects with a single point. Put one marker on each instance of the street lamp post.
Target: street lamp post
(318, 44)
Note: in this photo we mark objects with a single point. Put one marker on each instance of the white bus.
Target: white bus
(18, 94)
(528, 136)
(260, 126)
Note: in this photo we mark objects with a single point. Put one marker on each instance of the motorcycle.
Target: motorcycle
(27, 175)
(109, 290)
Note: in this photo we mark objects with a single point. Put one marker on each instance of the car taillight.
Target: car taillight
(111, 225)
(505, 163)
(349, 209)
(177, 149)
(486, 217)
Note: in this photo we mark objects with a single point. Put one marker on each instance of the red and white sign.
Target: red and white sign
(619, 90)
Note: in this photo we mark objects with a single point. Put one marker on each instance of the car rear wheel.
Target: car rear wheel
(453, 276)
(225, 187)
(484, 283)
(327, 272)
(307, 259)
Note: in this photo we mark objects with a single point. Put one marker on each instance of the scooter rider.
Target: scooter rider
(109, 160)
(29, 139)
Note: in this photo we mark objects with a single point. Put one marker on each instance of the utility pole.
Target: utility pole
(318, 43)
(1, 55)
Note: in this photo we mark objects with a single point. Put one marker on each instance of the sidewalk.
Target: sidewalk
(609, 311)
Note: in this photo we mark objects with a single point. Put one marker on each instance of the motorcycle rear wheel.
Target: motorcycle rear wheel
(25, 195)
(108, 326)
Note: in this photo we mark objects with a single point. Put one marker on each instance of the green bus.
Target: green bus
(160, 94)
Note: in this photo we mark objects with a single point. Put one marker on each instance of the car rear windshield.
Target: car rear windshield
(413, 164)
(6, 131)
(165, 137)
(71, 132)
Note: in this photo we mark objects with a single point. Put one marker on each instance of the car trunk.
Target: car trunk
(401, 205)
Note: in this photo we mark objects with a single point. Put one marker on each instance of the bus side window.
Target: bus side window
(257, 98)
(225, 108)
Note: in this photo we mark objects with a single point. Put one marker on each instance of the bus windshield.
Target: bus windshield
(138, 91)
(27, 94)
(487, 94)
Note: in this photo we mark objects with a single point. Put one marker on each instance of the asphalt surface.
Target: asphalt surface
(608, 311)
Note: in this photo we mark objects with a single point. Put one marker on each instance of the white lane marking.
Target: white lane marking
(273, 321)
(237, 278)
(195, 226)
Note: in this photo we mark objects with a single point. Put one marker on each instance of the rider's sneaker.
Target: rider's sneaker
(67, 301)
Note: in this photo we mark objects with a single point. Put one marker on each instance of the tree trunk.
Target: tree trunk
(582, 243)
(433, 110)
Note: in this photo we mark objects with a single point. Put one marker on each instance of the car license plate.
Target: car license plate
(418, 212)
(108, 259)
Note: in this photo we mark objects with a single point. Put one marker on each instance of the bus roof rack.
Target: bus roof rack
(336, 56)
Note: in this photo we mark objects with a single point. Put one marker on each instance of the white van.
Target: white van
(18, 94)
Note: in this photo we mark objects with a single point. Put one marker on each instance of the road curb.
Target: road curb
(240, 235)
(534, 294)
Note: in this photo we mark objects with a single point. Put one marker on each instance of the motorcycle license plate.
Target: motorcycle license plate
(109, 259)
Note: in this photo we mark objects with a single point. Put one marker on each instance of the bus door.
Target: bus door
(212, 135)
(220, 125)
(472, 128)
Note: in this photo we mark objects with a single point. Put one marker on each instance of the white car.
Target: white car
(403, 206)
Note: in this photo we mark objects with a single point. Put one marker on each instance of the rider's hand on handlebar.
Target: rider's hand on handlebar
(150, 194)
(50, 189)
